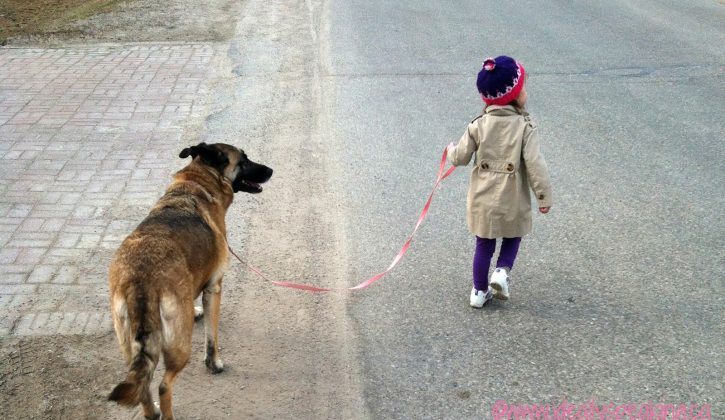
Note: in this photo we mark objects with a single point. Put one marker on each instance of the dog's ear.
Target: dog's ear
(192, 151)
(209, 154)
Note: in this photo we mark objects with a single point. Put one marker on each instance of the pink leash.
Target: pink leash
(442, 174)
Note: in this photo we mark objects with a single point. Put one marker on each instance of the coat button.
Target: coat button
(510, 167)
(484, 166)
(541, 196)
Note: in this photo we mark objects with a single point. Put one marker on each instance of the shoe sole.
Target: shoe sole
(498, 292)
(485, 302)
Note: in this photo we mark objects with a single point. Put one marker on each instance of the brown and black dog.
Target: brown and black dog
(178, 252)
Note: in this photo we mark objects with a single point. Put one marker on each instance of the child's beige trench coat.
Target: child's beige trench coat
(508, 162)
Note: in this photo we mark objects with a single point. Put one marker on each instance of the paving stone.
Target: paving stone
(31, 256)
(9, 255)
(66, 275)
(43, 274)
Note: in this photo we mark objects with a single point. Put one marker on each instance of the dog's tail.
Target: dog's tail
(144, 355)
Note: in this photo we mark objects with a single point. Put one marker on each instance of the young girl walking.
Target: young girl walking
(504, 143)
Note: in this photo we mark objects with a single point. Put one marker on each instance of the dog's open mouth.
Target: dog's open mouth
(250, 176)
(253, 186)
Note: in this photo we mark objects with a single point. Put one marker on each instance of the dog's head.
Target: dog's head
(232, 163)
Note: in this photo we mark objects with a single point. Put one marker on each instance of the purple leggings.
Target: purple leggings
(483, 254)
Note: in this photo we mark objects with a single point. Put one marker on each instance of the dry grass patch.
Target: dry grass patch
(40, 17)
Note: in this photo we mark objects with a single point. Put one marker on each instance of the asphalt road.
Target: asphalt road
(618, 293)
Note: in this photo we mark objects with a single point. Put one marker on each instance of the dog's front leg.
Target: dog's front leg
(211, 299)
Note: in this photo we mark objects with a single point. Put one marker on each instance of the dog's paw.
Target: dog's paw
(214, 366)
(156, 413)
(198, 313)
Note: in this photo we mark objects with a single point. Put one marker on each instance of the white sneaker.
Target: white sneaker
(500, 284)
(479, 297)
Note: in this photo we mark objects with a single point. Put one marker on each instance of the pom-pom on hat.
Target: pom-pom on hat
(500, 81)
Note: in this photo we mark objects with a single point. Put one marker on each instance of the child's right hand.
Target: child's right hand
(544, 210)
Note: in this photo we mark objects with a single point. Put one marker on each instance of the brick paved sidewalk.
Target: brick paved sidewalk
(88, 140)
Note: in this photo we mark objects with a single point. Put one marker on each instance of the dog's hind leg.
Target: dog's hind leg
(211, 300)
(177, 325)
(174, 364)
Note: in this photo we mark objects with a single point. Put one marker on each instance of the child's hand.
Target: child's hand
(544, 210)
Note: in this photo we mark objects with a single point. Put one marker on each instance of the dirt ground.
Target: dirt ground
(57, 22)
(57, 377)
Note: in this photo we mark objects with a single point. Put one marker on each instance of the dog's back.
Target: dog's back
(154, 278)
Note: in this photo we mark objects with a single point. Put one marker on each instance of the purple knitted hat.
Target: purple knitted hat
(500, 81)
